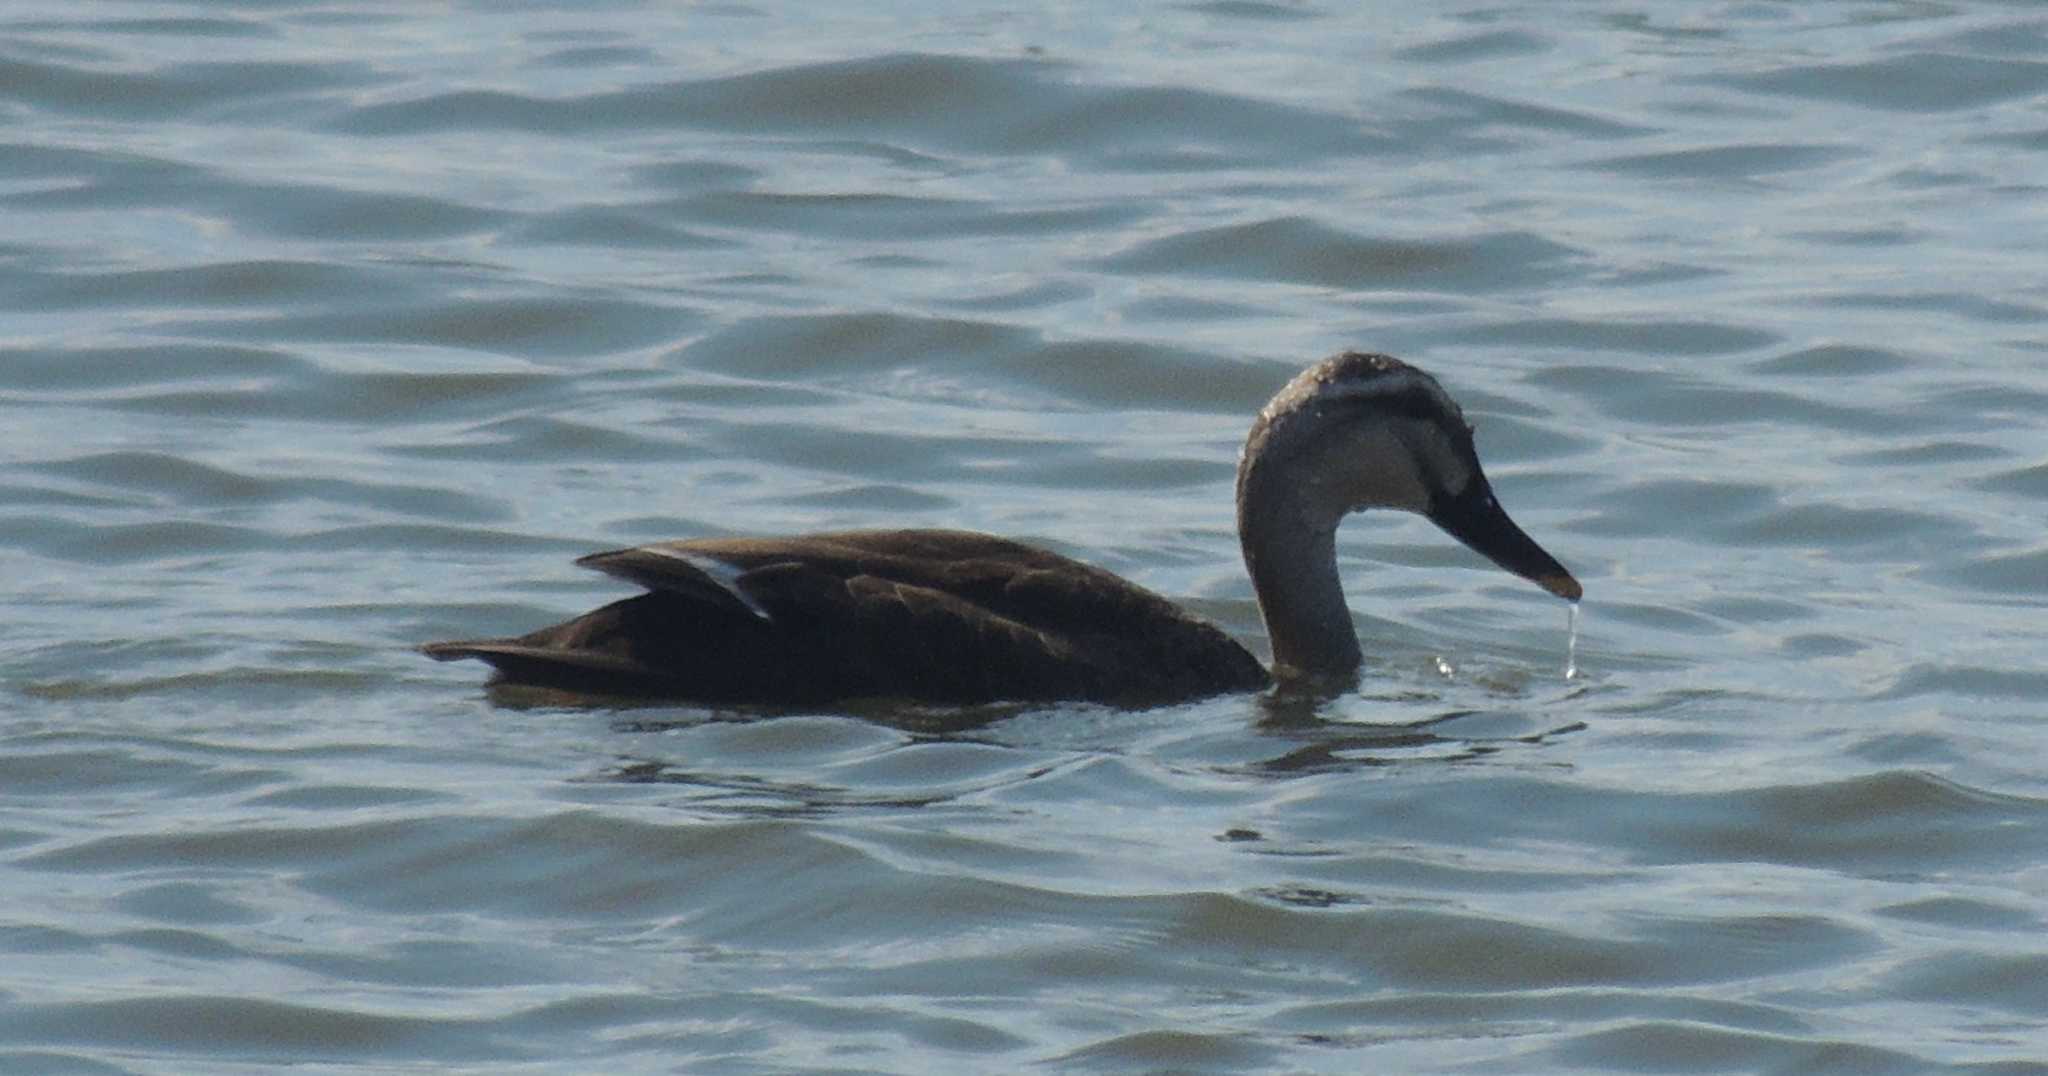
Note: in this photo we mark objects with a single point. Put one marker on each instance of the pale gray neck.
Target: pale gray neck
(1290, 548)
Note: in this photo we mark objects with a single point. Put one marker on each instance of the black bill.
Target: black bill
(1475, 518)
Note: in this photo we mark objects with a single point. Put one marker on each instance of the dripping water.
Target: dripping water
(1571, 642)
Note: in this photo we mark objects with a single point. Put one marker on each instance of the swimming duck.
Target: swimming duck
(957, 617)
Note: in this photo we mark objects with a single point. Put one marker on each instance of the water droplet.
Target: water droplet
(1571, 643)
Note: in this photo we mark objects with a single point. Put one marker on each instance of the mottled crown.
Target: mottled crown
(1353, 380)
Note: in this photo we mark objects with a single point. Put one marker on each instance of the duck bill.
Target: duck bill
(1475, 518)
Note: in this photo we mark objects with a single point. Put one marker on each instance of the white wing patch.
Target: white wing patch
(727, 576)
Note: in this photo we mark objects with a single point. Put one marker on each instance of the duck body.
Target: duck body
(957, 617)
(932, 615)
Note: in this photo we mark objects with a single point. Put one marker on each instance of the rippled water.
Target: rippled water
(330, 329)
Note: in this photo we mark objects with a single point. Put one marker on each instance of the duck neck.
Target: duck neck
(1290, 549)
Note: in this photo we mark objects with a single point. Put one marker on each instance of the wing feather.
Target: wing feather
(947, 616)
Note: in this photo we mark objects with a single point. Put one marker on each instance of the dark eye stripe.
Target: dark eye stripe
(1412, 401)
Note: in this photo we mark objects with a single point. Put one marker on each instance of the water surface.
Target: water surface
(334, 329)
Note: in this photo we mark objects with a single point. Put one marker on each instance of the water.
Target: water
(332, 329)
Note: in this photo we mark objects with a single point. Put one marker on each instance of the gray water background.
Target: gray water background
(330, 328)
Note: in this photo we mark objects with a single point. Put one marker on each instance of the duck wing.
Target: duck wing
(938, 616)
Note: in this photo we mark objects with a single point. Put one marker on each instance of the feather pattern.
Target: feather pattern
(936, 615)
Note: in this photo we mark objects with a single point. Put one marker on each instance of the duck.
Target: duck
(955, 617)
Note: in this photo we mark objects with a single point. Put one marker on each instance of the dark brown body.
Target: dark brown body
(956, 617)
(932, 615)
